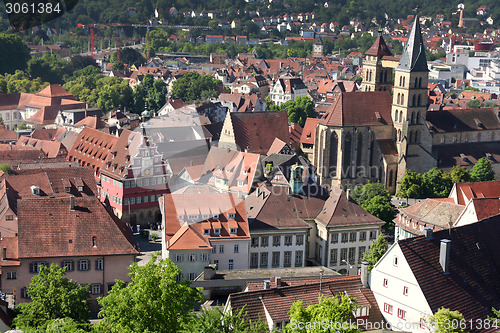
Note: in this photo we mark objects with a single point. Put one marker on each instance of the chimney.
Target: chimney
(278, 281)
(364, 274)
(348, 193)
(428, 233)
(267, 284)
(72, 203)
(444, 255)
(208, 273)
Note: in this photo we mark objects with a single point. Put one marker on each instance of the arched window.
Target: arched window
(418, 100)
(402, 99)
(372, 142)
(399, 98)
(420, 82)
(359, 149)
(94, 241)
(401, 116)
(391, 178)
(404, 79)
(399, 135)
(413, 101)
(332, 162)
(401, 81)
(416, 81)
(417, 136)
(410, 139)
(346, 163)
(396, 116)
(417, 120)
(412, 118)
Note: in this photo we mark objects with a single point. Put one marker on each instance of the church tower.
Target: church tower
(409, 106)
(375, 76)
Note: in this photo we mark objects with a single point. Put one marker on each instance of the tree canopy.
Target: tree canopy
(4, 166)
(447, 321)
(376, 251)
(213, 320)
(191, 86)
(53, 296)
(298, 110)
(339, 309)
(376, 200)
(14, 54)
(154, 301)
(20, 82)
(482, 171)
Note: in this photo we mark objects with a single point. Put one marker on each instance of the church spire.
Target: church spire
(413, 58)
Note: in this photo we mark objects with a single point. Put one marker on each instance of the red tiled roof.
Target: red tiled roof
(468, 191)
(257, 130)
(51, 148)
(92, 122)
(379, 48)
(359, 109)
(187, 238)
(276, 302)
(54, 90)
(44, 133)
(295, 132)
(309, 132)
(473, 285)
(339, 211)
(49, 228)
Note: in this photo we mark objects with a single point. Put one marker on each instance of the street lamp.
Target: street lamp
(348, 264)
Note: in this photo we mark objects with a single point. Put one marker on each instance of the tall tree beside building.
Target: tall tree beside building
(53, 296)
(482, 171)
(339, 309)
(192, 85)
(154, 301)
(14, 54)
(376, 251)
(447, 321)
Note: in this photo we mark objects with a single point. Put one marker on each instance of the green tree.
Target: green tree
(213, 320)
(64, 325)
(437, 183)
(299, 110)
(378, 206)
(339, 309)
(5, 167)
(460, 174)
(154, 301)
(14, 54)
(411, 185)
(363, 193)
(53, 296)
(482, 171)
(443, 319)
(376, 251)
(50, 68)
(474, 104)
(192, 84)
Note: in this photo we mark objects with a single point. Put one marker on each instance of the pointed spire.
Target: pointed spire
(413, 58)
(379, 48)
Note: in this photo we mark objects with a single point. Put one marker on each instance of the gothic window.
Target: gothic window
(404, 79)
(412, 116)
(400, 116)
(346, 163)
(399, 98)
(417, 121)
(359, 148)
(396, 115)
(418, 100)
(413, 100)
(401, 81)
(420, 82)
(403, 99)
(333, 154)
(399, 135)
(391, 178)
(416, 81)
(410, 140)
(372, 142)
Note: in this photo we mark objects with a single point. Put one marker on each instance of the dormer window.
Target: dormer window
(217, 232)
(67, 189)
(231, 216)
(216, 216)
(206, 232)
(234, 231)
(94, 241)
(180, 217)
(35, 189)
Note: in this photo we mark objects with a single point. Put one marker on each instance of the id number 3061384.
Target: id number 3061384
(14, 7)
